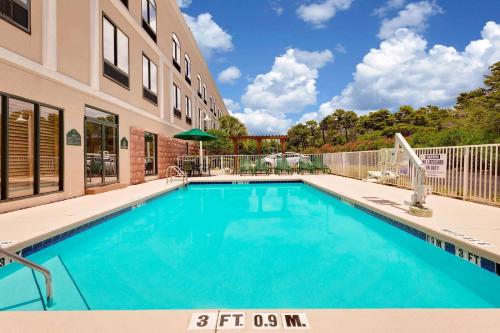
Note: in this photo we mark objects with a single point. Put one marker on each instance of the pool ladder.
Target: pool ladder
(44, 271)
(177, 172)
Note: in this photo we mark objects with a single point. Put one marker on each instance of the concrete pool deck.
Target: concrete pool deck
(473, 227)
(321, 321)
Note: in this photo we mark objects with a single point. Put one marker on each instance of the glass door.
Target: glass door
(93, 153)
(101, 148)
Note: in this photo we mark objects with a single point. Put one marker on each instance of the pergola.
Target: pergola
(283, 139)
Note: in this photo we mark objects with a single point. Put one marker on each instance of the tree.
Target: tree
(232, 126)
(298, 136)
(480, 109)
(221, 146)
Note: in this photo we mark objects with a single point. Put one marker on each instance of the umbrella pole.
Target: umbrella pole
(201, 155)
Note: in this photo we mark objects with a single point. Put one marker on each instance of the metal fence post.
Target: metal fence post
(465, 190)
(359, 165)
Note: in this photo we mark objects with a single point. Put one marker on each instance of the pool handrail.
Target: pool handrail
(44, 271)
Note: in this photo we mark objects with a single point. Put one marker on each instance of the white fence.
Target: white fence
(472, 172)
(231, 163)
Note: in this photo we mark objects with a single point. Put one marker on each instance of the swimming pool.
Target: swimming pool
(282, 245)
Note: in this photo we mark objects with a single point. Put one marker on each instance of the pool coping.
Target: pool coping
(483, 258)
(321, 321)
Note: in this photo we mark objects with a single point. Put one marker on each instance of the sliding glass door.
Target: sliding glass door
(101, 149)
(31, 148)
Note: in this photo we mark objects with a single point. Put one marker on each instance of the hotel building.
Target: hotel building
(92, 92)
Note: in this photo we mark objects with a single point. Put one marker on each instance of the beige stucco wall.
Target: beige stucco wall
(17, 40)
(24, 75)
(73, 39)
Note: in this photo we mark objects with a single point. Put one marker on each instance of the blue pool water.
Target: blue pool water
(248, 246)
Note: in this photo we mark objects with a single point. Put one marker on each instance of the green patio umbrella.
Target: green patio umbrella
(196, 135)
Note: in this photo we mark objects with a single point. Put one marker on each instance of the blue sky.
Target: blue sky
(282, 61)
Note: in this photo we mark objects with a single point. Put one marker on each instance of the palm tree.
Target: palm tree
(232, 126)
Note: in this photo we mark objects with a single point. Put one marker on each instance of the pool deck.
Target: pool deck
(470, 226)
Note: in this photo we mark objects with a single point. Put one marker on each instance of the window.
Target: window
(150, 153)
(176, 52)
(205, 120)
(115, 50)
(149, 80)
(149, 17)
(199, 85)
(176, 97)
(189, 111)
(211, 104)
(205, 93)
(50, 154)
(187, 62)
(31, 148)
(16, 12)
(101, 147)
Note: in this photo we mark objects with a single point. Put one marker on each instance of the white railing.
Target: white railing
(229, 164)
(472, 172)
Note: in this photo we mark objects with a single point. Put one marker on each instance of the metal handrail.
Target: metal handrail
(179, 172)
(44, 271)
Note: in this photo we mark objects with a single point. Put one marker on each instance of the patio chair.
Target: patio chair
(306, 165)
(282, 166)
(245, 167)
(320, 166)
(262, 167)
(187, 167)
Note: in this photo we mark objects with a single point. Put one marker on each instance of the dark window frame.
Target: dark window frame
(147, 93)
(108, 68)
(177, 108)
(10, 19)
(176, 50)
(155, 140)
(4, 124)
(146, 24)
(116, 125)
(188, 69)
(189, 110)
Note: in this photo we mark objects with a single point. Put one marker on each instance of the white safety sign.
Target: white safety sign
(435, 165)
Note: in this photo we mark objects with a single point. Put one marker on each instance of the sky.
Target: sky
(280, 62)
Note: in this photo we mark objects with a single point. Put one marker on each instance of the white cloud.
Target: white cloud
(262, 122)
(404, 71)
(277, 7)
(231, 105)
(184, 3)
(211, 38)
(389, 6)
(319, 13)
(290, 85)
(414, 16)
(287, 88)
(340, 48)
(229, 75)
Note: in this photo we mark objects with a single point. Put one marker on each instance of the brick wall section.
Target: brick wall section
(168, 151)
(136, 156)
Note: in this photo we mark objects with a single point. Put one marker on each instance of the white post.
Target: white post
(201, 155)
(49, 37)
(161, 89)
(465, 190)
(94, 44)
